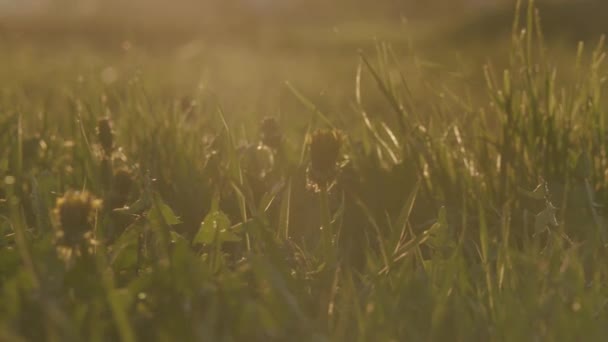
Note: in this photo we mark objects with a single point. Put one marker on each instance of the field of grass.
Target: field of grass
(317, 186)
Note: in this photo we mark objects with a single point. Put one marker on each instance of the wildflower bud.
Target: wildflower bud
(270, 133)
(105, 135)
(324, 154)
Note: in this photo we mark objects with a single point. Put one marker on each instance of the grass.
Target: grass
(437, 213)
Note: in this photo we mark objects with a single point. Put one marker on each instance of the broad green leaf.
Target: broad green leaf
(124, 251)
(216, 228)
(164, 212)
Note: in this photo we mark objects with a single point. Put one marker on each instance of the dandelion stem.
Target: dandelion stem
(326, 226)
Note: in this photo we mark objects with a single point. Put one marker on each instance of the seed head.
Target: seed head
(105, 135)
(325, 148)
(75, 213)
(270, 133)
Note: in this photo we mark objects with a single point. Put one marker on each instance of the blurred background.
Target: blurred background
(244, 51)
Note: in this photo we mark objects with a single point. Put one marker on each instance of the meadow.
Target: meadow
(445, 184)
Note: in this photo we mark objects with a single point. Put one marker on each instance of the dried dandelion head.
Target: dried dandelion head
(270, 133)
(75, 214)
(105, 135)
(325, 148)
